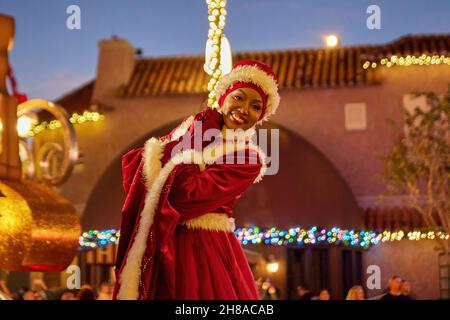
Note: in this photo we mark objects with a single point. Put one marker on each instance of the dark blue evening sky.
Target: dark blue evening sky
(50, 60)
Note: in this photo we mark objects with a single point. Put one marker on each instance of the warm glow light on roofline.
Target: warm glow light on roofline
(423, 60)
(28, 127)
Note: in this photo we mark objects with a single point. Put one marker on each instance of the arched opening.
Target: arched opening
(103, 207)
(307, 190)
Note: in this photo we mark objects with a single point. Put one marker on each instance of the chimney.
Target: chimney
(114, 67)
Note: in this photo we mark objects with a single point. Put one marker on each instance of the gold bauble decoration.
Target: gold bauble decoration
(39, 229)
(15, 225)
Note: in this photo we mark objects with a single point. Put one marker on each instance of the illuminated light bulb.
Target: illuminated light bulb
(272, 267)
(331, 41)
(24, 125)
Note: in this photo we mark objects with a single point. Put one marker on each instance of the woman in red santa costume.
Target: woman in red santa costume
(176, 237)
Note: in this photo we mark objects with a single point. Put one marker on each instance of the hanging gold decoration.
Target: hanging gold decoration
(9, 143)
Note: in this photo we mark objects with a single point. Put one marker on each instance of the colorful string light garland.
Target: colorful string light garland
(94, 238)
(291, 237)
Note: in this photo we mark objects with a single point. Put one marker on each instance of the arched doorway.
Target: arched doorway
(307, 190)
(104, 204)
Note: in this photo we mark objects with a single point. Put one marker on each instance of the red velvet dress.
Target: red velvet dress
(181, 262)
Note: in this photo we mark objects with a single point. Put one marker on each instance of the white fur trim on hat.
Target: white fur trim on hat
(253, 74)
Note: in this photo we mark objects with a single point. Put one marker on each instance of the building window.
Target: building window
(355, 116)
(351, 269)
(320, 270)
(310, 266)
(296, 271)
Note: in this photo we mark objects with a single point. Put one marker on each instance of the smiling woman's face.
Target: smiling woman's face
(244, 107)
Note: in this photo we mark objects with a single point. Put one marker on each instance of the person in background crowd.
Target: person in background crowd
(86, 293)
(5, 294)
(395, 293)
(274, 293)
(355, 293)
(105, 292)
(265, 289)
(258, 284)
(87, 286)
(303, 292)
(41, 289)
(31, 295)
(68, 295)
(21, 292)
(324, 295)
(406, 289)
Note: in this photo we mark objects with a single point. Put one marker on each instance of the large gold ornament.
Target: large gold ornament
(15, 225)
(39, 229)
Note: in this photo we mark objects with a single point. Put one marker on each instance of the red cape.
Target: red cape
(153, 206)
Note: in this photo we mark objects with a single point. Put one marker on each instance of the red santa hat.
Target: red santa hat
(251, 74)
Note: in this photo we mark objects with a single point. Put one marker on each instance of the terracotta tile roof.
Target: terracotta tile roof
(79, 99)
(438, 44)
(301, 68)
(395, 218)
